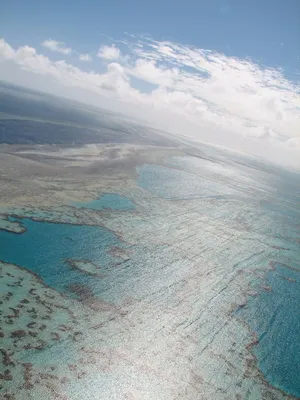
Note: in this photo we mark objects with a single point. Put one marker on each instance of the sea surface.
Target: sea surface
(110, 201)
(190, 287)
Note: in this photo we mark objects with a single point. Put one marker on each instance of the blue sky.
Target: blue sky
(225, 72)
(266, 30)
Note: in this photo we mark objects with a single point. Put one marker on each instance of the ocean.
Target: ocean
(186, 286)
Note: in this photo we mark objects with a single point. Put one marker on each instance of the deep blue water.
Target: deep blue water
(108, 201)
(275, 316)
(44, 248)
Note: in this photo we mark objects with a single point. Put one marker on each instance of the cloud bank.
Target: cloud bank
(195, 92)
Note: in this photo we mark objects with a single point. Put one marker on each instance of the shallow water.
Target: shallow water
(44, 249)
(110, 201)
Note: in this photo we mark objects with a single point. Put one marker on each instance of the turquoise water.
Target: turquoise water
(45, 247)
(110, 201)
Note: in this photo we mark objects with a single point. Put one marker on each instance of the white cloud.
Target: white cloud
(207, 95)
(58, 47)
(150, 72)
(109, 52)
(28, 59)
(236, 91)
(6, 51)
(293, 143)
(85, 57)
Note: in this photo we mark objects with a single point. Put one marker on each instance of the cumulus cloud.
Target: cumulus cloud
(114, 79)
(109, 52)
(58, 47)
(147, 70)
(211, 96)
(6, 51)
(85, 57)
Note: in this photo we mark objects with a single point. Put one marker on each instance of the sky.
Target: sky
(225, 72)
